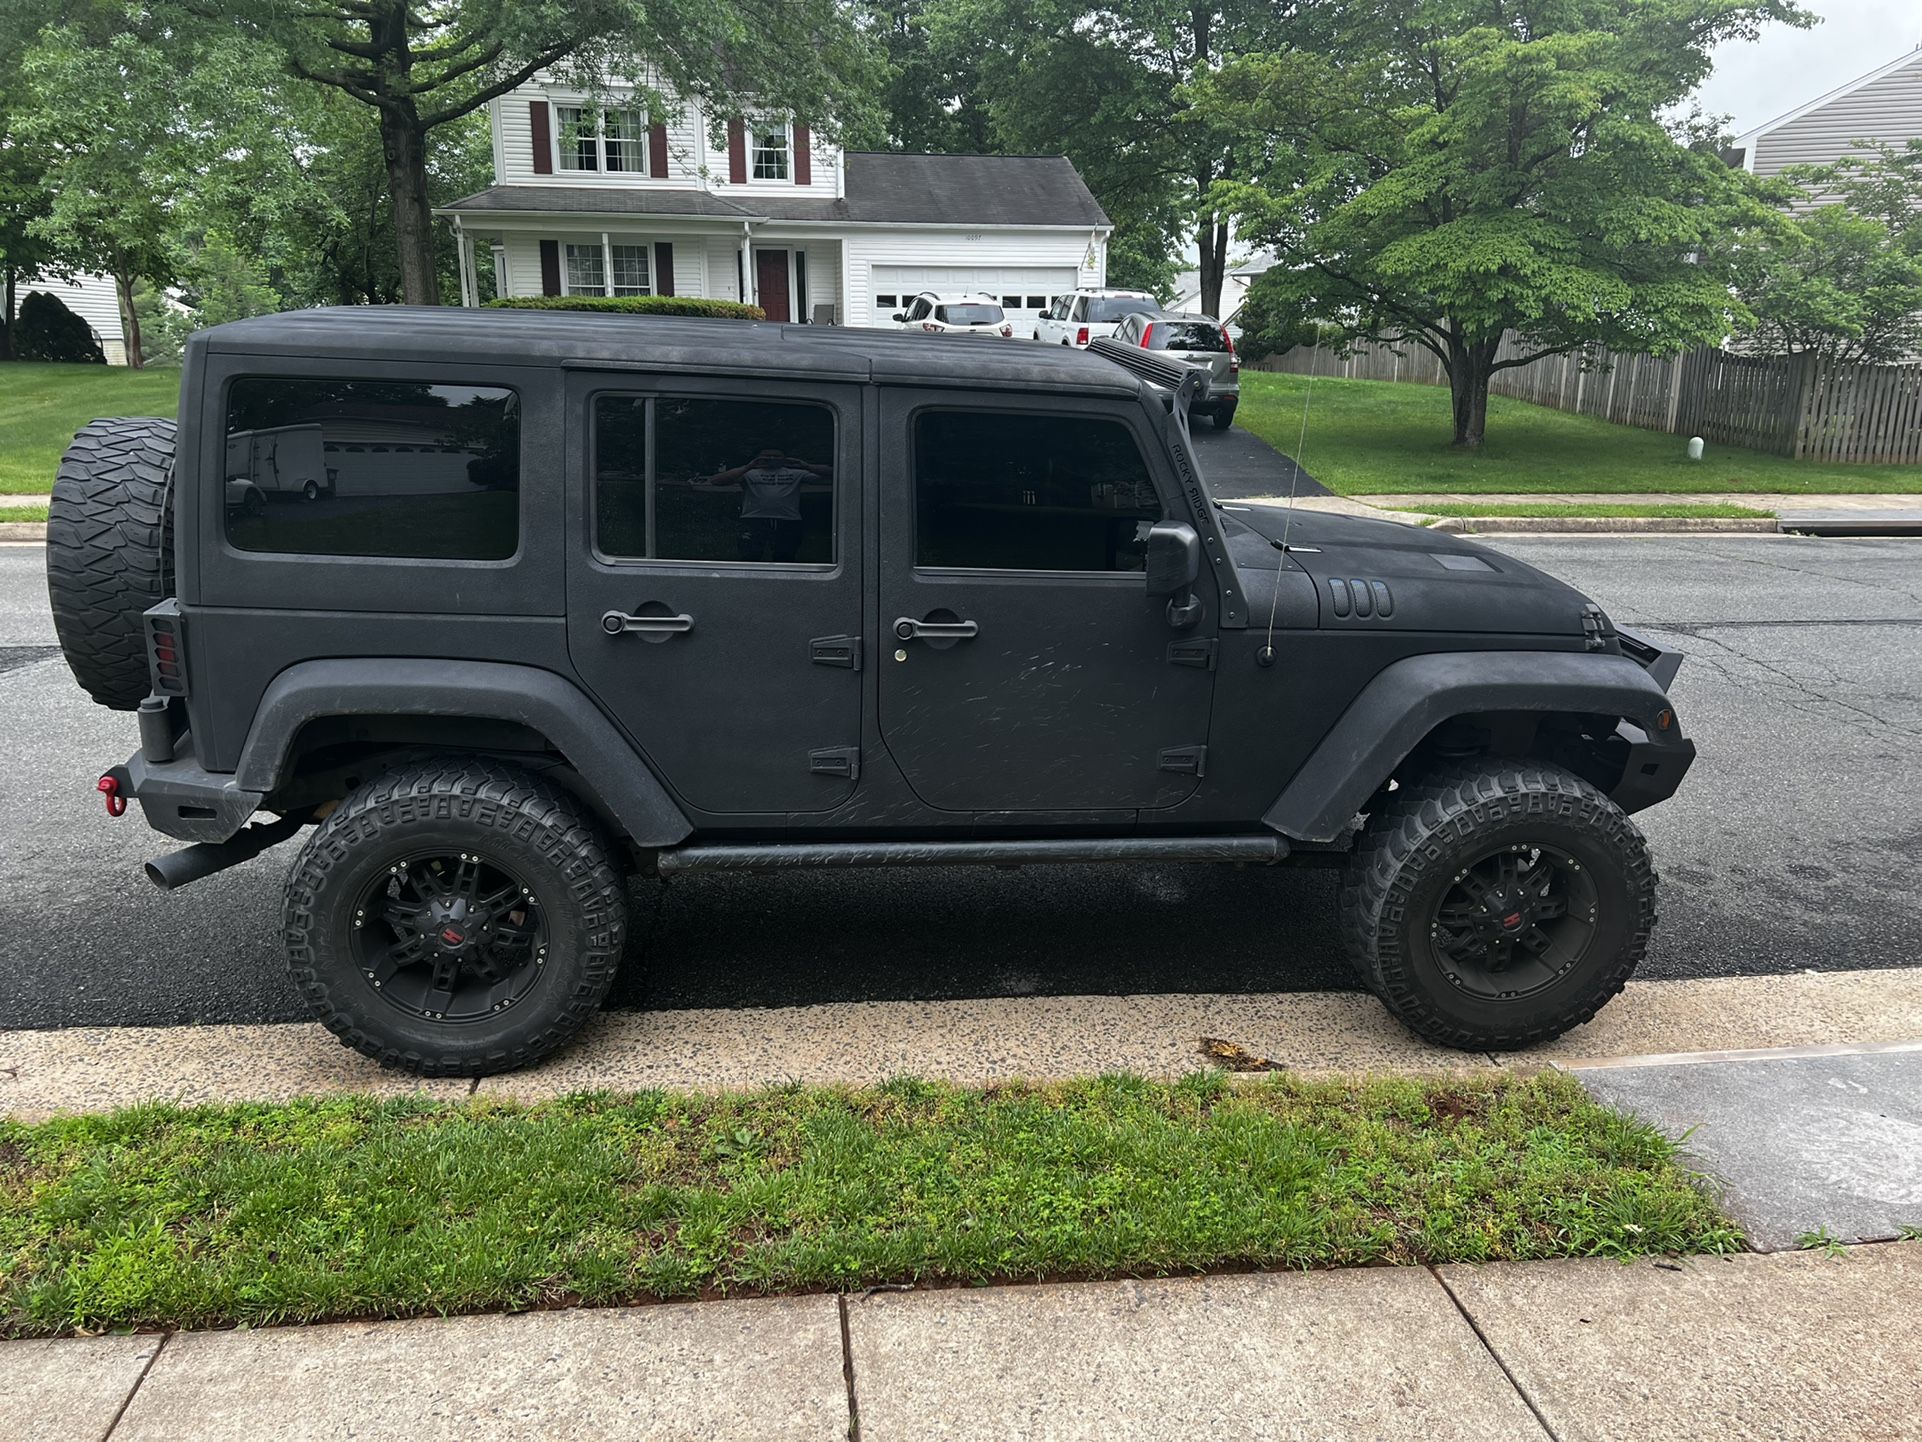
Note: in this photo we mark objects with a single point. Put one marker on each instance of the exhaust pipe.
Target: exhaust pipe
(177, 868)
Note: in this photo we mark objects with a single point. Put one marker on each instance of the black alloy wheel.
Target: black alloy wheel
(1495, 904)
(450, 937)
(1514, 921)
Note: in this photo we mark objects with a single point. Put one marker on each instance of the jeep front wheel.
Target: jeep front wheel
(1493, 907)
(455, 920)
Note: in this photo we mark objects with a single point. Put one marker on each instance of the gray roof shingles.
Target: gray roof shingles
(882, 188)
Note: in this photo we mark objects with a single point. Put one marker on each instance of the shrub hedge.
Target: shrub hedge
(635, 305)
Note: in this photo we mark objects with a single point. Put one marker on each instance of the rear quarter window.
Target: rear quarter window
(321, 466)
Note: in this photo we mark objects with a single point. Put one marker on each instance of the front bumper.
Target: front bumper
(1657, 757)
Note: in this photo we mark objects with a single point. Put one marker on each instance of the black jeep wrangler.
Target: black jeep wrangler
(510, 607)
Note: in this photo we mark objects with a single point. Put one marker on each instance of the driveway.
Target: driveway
(1239, 465)
(1793, 845)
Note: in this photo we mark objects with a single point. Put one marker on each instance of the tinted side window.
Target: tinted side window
(325, 467)
(1018, 491)
(732, 480)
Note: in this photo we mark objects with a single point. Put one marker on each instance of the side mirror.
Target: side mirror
(898, 316)
(1174, 558)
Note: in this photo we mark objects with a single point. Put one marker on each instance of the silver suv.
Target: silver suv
(1199, 340)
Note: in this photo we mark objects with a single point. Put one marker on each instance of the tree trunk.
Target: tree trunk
(1214, 264)
(130, 321)
(6, 316)
(1470, 367)
(404, 143)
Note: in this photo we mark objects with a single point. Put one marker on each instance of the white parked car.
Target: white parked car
(954, 315)
(1076, 319)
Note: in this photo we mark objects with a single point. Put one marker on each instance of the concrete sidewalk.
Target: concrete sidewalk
(1785, 1347)
(974, 1042)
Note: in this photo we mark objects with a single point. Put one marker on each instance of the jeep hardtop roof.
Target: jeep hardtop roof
(592, 340)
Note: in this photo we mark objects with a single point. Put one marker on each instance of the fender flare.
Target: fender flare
(488, 690)
(1411, 697)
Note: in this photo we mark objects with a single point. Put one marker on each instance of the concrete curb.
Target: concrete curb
(971, 1042)
(1600, 525)
(27, 531)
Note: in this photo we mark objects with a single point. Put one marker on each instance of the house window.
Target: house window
(578, 146)
(886, 302)
(630, 270)
(611, 140)
(625, 139)
(1038, 302)
(584, 270)
(770, 152)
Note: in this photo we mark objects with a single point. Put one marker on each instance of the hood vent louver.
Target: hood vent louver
(1361, 598)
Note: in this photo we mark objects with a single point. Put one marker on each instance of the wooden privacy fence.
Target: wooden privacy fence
(1787, 405)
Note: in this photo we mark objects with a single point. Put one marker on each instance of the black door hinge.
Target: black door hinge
(842, 651)
(1188, 760)
(1196, 651)
(836, 761)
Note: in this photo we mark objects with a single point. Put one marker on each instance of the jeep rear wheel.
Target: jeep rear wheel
(110, 552)
(1493, 907)
(455, 920)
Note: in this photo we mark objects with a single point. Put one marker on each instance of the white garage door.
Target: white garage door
(1023, 291)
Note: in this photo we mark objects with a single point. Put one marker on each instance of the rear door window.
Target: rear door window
(329, 467)
(729, 480)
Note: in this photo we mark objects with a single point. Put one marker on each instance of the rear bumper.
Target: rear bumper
(183, 800)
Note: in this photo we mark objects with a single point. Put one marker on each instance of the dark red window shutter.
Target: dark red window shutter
(550, 267)
(657, 150)
(663, 267)
(736, 152)
(537, 113)
(803, 156)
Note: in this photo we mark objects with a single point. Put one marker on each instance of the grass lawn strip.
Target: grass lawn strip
(1718, 511)
(1387, 438)
(42, 405)
(355, 1207)
(22, 513)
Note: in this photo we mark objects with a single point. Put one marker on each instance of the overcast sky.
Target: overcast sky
(1787, 68)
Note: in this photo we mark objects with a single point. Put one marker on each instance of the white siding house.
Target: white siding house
(96, 301)
(1884, 105)
(610, 200)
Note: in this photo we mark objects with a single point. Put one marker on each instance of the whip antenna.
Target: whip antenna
(1266, 656)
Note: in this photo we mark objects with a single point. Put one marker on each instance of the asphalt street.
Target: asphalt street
(1794, 843)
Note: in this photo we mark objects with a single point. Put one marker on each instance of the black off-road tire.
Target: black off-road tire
(110, 552)
(465, 805)
(1409, 857)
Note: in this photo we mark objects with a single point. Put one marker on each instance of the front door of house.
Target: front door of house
(770, 280)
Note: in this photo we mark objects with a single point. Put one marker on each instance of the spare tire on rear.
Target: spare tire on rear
(110, 551)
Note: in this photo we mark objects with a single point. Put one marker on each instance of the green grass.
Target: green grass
(162, 1216)
(1718, 510)
(41, 406)
(23, 513)
(1383, 438)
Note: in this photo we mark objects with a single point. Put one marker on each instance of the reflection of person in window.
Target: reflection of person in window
(770, 502)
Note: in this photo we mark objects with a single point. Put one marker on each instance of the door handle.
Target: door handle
(909, 629)
(617, 623)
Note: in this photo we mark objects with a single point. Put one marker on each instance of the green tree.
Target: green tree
(929, 100)
(1109, 86)
(423, 66)
(26, 252)
(1487, 167)
(1845, 282)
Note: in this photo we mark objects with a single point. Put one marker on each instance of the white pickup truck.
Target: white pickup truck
(1084, 315)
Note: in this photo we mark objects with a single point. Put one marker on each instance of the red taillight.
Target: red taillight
(1147, 335)
(1007, 330)
(1081, 336)
(1234, 361)
(930, 325)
